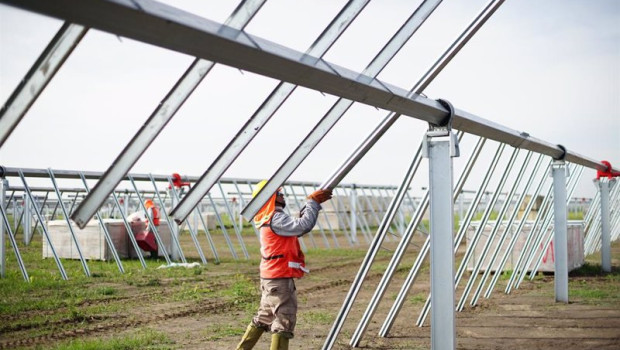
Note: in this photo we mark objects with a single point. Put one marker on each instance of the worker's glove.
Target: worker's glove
(321, 196)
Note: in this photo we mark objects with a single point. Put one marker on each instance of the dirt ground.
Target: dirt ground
(528, 318)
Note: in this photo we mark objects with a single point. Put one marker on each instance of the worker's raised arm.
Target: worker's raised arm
(284, 225)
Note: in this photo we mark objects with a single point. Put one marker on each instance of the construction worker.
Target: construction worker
(153, 212)
(146, 238)
(282, 260)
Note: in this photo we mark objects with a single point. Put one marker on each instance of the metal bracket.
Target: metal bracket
(557, 164)
(563, 156)
(442, 130)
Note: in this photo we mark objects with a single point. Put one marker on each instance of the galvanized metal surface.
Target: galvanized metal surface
(163, 113)
(267, 109)
(560, 227)
(327, 122)
(177, 30)
(37, 78)
(443, 320)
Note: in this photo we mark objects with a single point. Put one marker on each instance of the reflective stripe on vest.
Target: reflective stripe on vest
(295, 265)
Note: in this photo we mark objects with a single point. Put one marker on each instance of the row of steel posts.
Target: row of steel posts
(348, 219)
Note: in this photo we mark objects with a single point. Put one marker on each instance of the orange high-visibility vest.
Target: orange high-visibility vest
(154, 213)
(281, 255)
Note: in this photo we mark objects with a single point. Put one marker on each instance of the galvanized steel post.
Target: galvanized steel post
(353, 214)
(3, 186)
(603, 187)
(27, 215)
(440, 147)
(560, 246)
(173, 225)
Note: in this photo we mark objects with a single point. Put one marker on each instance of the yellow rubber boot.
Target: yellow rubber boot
(251, 336)
(279, 341)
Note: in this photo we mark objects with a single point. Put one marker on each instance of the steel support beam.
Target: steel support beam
(353, 213)
(459, 237)
(18, 256)
(443, 323)
(4, 184)
(66, 215)
(177, 30)
(39, 75)
(61, 268)
(379, 62)
(560, 246)
(516, 233)
(375, 245)
(267, 109)
(603, 187)
(27, 214)
(486, 250)
(163, 113)
(417, 89)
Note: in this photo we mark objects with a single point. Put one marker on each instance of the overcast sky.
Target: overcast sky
(547, 67)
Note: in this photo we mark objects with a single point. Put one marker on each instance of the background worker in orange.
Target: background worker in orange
(145, 237)
(282, 260)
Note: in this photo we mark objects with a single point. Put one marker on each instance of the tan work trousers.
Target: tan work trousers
(278, 305)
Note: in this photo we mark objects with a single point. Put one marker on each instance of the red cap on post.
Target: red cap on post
(608, 172)
(178, 182)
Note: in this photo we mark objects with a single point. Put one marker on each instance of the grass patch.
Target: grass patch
(148, 339)
(418, 299)
(217, 331)
(317, 317)
(244, 293)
